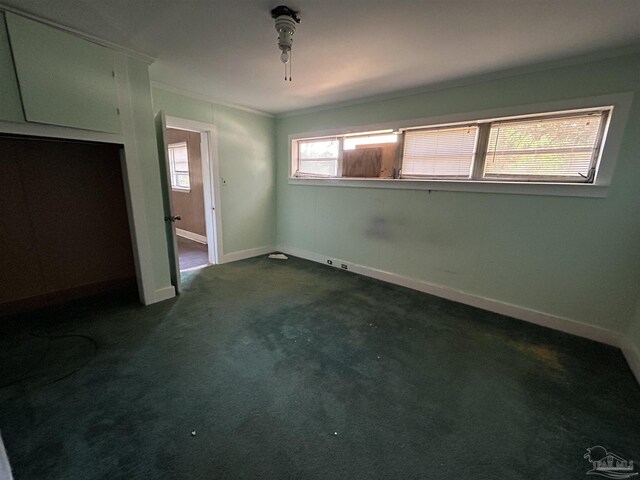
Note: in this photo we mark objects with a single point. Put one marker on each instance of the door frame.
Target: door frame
(210, 180)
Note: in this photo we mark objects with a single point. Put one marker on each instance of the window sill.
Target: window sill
(518, 188)
(181, 190)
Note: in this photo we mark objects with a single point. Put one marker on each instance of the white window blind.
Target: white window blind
(546, 148)
(318, 157)
(442, 152)
(179, 166)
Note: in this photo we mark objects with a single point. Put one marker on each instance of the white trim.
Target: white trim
(252, 252)
(54, 131)
(210, 180)
(168, 208)
(191, 236)
(632, 355)
(83, 35)
(621, 103)
(555, 322)
(212, 191)
(164, 293)
(205, 98)
(528, 188)
(135, 223)
(134, 191)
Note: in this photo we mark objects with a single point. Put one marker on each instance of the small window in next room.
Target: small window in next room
(179, 166)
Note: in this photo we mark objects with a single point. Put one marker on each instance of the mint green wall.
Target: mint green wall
(246, 154)
(572, 257)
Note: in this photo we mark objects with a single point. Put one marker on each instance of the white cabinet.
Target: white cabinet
(10, 106)
(64, 80)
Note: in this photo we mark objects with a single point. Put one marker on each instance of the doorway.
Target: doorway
(191, 193)
(187, 197)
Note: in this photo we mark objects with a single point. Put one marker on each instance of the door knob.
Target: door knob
(172, 218)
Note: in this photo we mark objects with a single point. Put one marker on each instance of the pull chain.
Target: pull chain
(288, 64)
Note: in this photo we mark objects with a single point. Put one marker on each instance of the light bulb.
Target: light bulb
(284, 57)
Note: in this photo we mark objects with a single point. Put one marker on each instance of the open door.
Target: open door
(170, 217)
(208, 176)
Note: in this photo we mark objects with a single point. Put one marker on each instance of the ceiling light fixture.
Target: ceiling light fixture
(286, 20)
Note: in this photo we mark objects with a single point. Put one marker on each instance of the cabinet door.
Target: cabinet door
(10, 107)
(64, 80)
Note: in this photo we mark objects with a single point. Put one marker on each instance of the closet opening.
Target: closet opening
(64, 227)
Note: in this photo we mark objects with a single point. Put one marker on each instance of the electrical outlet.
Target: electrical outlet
(344, 266)
(329, 262)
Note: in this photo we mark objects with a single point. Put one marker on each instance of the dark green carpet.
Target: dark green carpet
(290, 369)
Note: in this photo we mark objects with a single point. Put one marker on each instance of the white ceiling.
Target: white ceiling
(343, 49)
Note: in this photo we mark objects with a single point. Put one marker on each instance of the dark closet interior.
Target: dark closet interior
(64, 230)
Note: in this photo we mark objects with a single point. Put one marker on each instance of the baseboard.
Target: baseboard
(196, 237)
(632, 354)
(164, 294)
(555, 322)
(242, 254)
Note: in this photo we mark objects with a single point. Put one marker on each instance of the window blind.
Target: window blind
(561, 147)
(179, 165)
(442, 152)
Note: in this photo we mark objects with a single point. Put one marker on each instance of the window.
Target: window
(318, 157)
(439, 152)
(179, 166)
(555, 147)
(370, 155)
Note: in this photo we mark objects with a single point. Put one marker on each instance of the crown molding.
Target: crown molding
(206, 98)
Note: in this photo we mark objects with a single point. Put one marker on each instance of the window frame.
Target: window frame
(172, 170)
(338, 158)
(476, 151)
(611, 133)
(606, 113)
